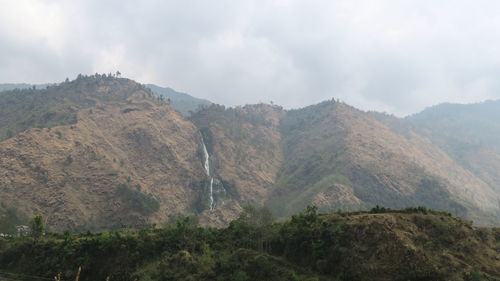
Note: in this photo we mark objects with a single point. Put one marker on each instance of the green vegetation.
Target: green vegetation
(10, 219)
(381, 244)
(202, 202)
(136, 200)
(37, 227)
(69, 160)
(313, 146)
(430, 192)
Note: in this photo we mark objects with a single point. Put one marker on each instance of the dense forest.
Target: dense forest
(380, 244)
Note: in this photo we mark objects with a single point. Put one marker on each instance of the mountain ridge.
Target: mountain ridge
(103, 151)
(182, 102)
(98, 171)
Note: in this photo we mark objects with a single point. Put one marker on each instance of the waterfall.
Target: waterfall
(206, 165)
(212, 205)
(207, 162)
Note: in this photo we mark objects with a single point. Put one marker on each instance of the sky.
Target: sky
(387, 55)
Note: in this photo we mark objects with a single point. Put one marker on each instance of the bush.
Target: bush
(138, 201)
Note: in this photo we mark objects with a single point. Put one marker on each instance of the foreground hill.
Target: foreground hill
(410, 244)
(97, 152)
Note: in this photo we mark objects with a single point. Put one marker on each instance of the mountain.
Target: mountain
(458, 125)
(12, 86)
(244, 146)
(182, 102)
(97, 152)
(470, 133)
(336, 157)
(102, 152)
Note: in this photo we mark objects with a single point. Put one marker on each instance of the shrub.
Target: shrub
(136, 200)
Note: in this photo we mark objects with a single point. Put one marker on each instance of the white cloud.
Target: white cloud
(31, 22)
(397, 56)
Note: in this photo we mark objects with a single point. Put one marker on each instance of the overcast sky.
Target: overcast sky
(394, 56)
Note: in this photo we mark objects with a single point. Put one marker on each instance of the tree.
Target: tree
(9, 133)
(258, 222)
(36, 226)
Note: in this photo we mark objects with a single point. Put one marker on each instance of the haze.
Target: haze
(393, 56)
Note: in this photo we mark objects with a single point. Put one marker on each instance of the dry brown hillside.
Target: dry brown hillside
(340, 157)
(244, 143)
(244, 146)
(336, 157)
(128, 161)
(102, 152)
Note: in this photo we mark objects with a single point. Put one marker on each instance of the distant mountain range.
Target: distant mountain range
(181, 102)
(101, 152)
(12, 86)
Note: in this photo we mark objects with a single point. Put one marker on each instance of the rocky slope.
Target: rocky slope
(127, 159)
(336, 157)
(469, 133)
(245, 146)
(101, 152)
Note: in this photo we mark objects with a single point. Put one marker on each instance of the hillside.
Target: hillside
(101, 152)
(97, 152)
(336, 157)
(469, 133)
(459, 126)
(245, 145)
(409, 244)
(340, 153)
(182, 102)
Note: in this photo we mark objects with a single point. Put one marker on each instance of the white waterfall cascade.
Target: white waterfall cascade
(207, 170)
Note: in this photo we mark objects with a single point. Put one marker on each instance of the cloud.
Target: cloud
(387, 55)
